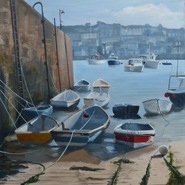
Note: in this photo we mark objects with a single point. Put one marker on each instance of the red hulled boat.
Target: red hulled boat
(135, 135)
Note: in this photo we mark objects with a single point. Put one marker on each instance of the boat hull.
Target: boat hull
(125, 111)
(95, 62)
(65, 100)
(135, 135)
(96, 98)
(151, 64)
(29, 113)
(178, 99)
(37, 130)
(176, 90)
(82, 86)
(113, 62)
(39, 138)
(82, 127)
(100, 86)
(75, 139)
(157, 106)
(65, 104)
(134, 141)
(134, 68)
(166, 63)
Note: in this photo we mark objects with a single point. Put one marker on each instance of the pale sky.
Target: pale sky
(169, 13)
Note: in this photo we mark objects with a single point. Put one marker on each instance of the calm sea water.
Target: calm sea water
(133, 88)
(125, 87)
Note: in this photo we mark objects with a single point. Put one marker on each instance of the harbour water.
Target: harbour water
(125, 87)
(133, 88)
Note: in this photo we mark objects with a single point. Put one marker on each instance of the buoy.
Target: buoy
(163, 149)
(166, 95)
(86, 115)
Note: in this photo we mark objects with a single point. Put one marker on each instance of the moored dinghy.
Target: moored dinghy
(126, 111)
(157, 106)
(176, 85)
(97, 98)
(31, 112)
(82, 86)
(134, 135)
(176, 93)
(66, 100)
(37, 130)
(82, 127)
(101, 85)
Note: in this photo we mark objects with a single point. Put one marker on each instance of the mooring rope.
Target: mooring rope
(18, 153)
(13, 92)
(1, 145)
(88, 120)
(7, 111)
(35, 177)
(163, 118)
(63, 151)
(13, 107)
(71, 137)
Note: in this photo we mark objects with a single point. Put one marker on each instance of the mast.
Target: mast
(178, 45)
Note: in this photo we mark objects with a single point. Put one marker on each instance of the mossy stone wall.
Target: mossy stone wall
(30, 32)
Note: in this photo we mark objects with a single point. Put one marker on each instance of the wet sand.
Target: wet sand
(80, 168)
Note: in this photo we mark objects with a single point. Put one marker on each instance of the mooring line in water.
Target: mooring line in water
(163, 118)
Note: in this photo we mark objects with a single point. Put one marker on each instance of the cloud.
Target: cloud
(79, 12)
(150, 14)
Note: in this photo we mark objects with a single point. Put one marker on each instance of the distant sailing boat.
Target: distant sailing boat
(176, 85)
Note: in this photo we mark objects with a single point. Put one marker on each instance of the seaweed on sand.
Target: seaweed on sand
(34, 178)
(116, 174)
(9, 167)
(175, 177)
(147, 175)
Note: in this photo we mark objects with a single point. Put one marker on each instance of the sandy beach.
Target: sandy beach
(79, 168)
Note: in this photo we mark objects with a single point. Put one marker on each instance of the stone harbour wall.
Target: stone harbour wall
(33, 62)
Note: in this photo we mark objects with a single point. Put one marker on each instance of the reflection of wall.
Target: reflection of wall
(32, 52)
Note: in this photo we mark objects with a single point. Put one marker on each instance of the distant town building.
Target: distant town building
(125, 41)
